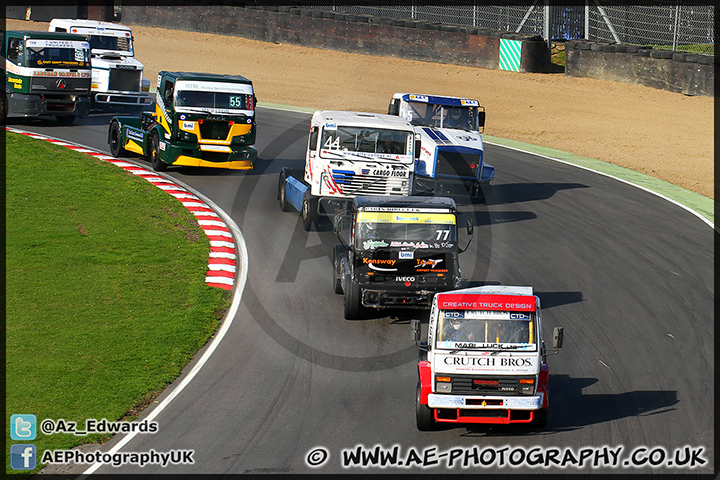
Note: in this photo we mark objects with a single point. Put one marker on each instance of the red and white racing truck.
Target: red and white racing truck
(485, 358)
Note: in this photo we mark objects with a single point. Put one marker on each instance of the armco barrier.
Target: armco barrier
(678, 72)
(365, 34)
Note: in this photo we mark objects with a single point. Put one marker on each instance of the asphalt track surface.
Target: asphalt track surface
(627, 274)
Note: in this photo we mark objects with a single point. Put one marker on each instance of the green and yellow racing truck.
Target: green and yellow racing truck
(200, 120)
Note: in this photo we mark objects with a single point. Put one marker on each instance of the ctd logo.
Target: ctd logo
(23, 456)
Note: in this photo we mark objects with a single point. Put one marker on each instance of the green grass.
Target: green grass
(106, 298)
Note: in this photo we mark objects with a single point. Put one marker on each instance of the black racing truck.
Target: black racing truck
(398, 252)
(200, 120)
(46, 74)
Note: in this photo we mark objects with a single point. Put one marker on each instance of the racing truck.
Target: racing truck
(484, 360)
(117, 77)
(349, 154)
(46, 74)
(400, 252)
(451, 153)
(200, 120)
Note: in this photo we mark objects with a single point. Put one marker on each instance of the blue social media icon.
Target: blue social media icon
(23, 427)
(23, 456)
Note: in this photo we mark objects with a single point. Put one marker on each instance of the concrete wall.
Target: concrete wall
(678, 72)
(403, 38)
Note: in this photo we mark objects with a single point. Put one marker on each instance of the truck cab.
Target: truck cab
(46, 74)
(484, 361)
(397, 252)
(349, 154)
(117, 76)
(200, 120)
(451, 155)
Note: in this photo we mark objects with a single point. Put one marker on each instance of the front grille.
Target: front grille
(215, 156)
(214, 129)
(124, 80)
(495, 385)
(457, 164)
(353, 184)
(52, 84)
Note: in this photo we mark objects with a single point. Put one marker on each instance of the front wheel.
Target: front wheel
(338, 253)
(424, 418)
(116, 148)
(351, 299)
(282, 200)
(309, 211)
(155, 162)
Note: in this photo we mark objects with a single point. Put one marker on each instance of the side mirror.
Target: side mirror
(481, 120)
(557, 337)
(415, 330)
(418, 147)
(337, 225)
(394, 107)
(470, 226)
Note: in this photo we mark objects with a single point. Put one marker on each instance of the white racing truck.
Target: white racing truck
(485, 358)
(451, 157)
(349, 154)
(117, 76)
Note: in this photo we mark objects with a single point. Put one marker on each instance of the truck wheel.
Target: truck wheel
(154, 154)
(309, 211)
(351, 299)
(540, 418)
(282, 200)
(3, 108)
(423, 414)
(338, 253)
(116, 149)
(65, 119)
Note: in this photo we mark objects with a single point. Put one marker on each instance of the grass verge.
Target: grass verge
(106, 298)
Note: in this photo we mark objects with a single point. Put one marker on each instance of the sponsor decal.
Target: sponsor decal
(406, 255)
(330, 126)
(388, 217)
(162, 146)
(418, 98)
(469, 103)
(373, 244)
(60, 83)
(188, 125)
(133, 135)
(428, 263)
(451, 314)
(487, 302)
(409, 244)
(405, 279)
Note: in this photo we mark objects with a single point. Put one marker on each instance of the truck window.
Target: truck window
(15, 49)
(439, 116)
(39, 54)
(410, 230)
(217, 100)
(168, 94)
(487, 328)
(367, 140)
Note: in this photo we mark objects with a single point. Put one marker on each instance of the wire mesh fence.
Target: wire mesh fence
(673, 25)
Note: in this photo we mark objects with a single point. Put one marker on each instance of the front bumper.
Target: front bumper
(123, 98)
(35, 105)
(421, 299)
(484, 408)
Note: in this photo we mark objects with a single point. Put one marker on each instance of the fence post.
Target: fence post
(675, 27)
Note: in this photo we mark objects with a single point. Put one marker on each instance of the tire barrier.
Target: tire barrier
(679, 72)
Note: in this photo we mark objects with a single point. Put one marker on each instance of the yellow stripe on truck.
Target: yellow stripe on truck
(395, 217)
(186, 161)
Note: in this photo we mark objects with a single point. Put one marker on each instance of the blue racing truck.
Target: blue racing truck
(451, 153)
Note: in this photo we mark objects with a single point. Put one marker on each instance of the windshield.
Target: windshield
(43, 53)
(441, 116)
(487, 329)
(214, 100)
(106, 42)
(367, 140)
(411, 230)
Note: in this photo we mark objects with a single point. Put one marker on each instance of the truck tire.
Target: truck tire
(116, 148)
(3, 108)
(424, 418)
(154, 154)
(309, 211)
(338, 253)
(351, 299)
(284, 205)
